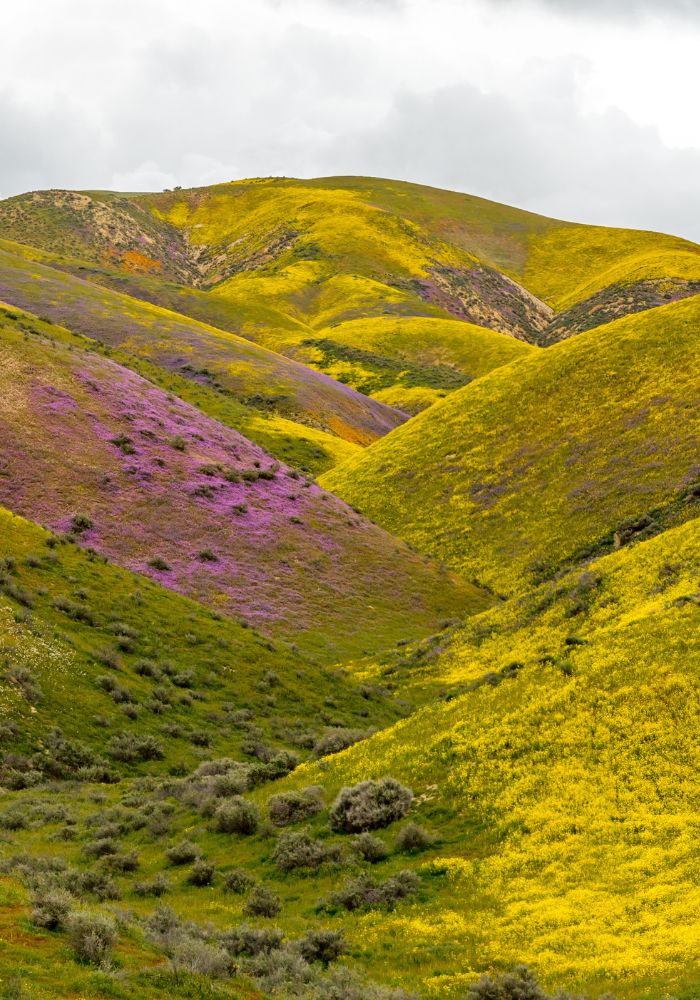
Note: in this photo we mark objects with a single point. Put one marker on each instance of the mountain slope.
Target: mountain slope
(169, 492)
(542, 461)
(557, 774)
(250, 374)
(70, 619)
(278, 255)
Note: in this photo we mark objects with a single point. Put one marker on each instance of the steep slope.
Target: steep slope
(570, 451)
(252, 375)
(96, 651)
(166, 491)
(558, 775)
(288, 253)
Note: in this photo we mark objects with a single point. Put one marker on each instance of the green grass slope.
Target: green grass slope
(557, 774)
(285, 252)
(256, 378)
(171, 493)
(570, 451)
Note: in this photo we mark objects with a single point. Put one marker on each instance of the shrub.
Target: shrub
(80, 523)
(178, 442)
(158, 563)
(26, 682)
(128, 862)
(293, 807)
(370, 848)
(200, 957)
(51, 908)
(183, 853)
(370, 805)
(231, 783)
(74, 610)
(157, 887)
(337, 740)
(363, 892)
(92, 937)
(245, 940)
(322, 946)
(237, 815)
(262, 903)
(100, 847)
(297, 849)
(14, 818)
(201, 873)
(520, 984)
(129, 747)
(238, 881)
(412, 839)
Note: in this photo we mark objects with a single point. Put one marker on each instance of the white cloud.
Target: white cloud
(466, 93)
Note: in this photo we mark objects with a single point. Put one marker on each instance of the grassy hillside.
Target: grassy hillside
(253, 376)
(164, 490)
(555, 776)
(589, 444)
(558, 776)
(272, 258)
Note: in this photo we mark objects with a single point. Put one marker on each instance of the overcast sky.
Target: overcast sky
(582, 109)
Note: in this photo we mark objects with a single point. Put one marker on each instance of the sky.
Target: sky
(580, 109)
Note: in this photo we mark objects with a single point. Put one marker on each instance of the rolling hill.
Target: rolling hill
(571, 451)
(166, 491)
(260, 381)
(371, 736)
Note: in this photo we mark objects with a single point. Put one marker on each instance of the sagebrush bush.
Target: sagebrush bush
(370, 848)
(370, 805)
(237, 815)
(262, 902)
(293, 807)
(246, 940)
(323, 946)
(520, 984)
(200, 957)
(412, 839)
(201, 873)
(51, 907)
(92, 937)
(298, 849)
(183, 853)
(238, 881)
(337, 740)
(130, 748)
(364, 892)
(157, 887)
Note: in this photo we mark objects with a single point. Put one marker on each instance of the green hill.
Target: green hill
(566, 453)
(261, 383)
(164, 490)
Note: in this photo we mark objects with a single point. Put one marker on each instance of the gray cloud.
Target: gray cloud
(163, 92)
(539, 153)
(615, 9)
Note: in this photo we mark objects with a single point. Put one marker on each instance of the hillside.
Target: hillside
(540, 463)
(259, 381)
(166, 491)
(557, 774)
(554, 774)
(382, 734)
(282, 260)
